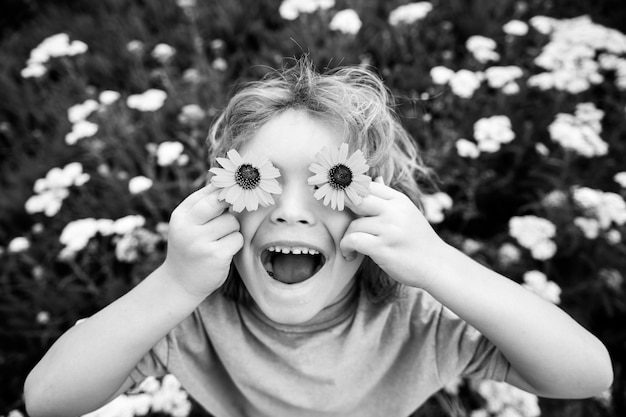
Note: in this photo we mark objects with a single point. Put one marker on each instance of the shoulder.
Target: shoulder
(418, 304)
(412, 309)
(214, 311)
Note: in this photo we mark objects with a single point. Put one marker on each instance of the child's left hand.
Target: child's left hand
(394, 233)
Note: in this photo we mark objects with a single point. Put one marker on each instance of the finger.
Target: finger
(358, 242)
(369, 206)
(379, 189)
(206, 208)
(196, 196)
(232, 243)
(367, 225)
(221, 226)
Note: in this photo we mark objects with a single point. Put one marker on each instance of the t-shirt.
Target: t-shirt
(355, 358)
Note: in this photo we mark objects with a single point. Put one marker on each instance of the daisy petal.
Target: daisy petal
(343, 153)
(251, 200)
(317, 179)
(353, 196)
(235, 157)
(227, 164)
(322, 191)
(270, 186)
(340, 200)
(223, 181)
(234, 194)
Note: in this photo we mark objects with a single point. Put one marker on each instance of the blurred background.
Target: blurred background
(518, 106)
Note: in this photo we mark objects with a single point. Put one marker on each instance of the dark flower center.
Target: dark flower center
(247, 176)
(339, 176)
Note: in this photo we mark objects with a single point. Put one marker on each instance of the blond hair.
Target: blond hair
(353, 96)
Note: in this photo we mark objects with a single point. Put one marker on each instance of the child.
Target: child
(293, 286)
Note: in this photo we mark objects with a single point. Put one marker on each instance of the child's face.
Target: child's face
(291, 288)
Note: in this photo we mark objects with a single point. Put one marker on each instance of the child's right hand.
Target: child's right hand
(203, 237)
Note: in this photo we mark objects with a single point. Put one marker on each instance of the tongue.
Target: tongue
(291, 269)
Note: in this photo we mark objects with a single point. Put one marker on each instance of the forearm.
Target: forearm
(88, 364)
(546, 347)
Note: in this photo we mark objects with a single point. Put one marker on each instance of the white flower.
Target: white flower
(409, 13)
(127, 249)
(18, 244)
(534, 233)
(346, 21)
(570, 55)
(163, 52)
(55, 46)
(191, 113)
(543, 250)
(515, 27)
(464, 83)
(51, 190)
(76, 235)
(482, 48)
(34, 70)
(291, 9)
(511, 88)
(607, 207)
(43, 317)
(186, 4)
(81, 130)
(580, 132)
(48, 202)
(506, 400)
(135, 47)
(80, 112)
(467, 149)
(171, 398)
(620, 178)
(613, 236)
(542, 24)
(492, 132)
(340, 176)
(108, 97)
(219, 64)
(246, 181)
(589, 227)
(441, 74)
(127, 224)
(435, 205)
(538, 283)
(150, 100)
(543, 81)
(169, 152)
(500, 76)
(509, 254)
(139, 184)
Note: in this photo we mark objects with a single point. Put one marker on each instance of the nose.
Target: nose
(295, 205)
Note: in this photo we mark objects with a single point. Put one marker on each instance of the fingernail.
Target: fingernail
(351, 256)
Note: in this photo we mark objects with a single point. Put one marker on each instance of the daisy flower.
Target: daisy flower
(339, 176)
(246, 181)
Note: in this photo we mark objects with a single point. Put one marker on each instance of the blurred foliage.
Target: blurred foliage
(226, 43)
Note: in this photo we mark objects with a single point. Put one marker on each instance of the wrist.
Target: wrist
(177, 287)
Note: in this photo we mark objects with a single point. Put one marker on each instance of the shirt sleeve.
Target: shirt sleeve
(154, 363)
(464, 351)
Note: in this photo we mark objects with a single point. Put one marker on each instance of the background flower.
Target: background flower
(517, 106)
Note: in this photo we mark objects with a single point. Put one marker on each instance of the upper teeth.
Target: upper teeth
(298, 250)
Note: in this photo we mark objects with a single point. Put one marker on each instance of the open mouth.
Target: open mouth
(291, 265)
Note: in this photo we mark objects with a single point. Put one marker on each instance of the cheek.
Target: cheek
(249, 223)
(337, 222)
